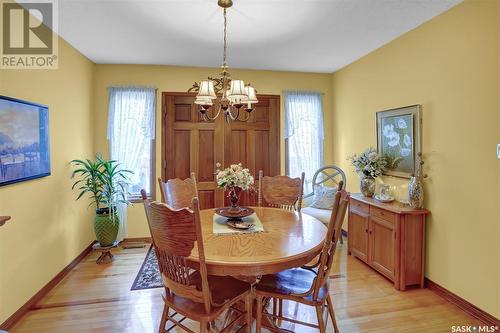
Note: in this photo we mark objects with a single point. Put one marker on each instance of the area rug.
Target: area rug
(149, 275)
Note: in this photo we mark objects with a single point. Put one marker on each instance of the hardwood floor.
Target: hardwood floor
(97, 298)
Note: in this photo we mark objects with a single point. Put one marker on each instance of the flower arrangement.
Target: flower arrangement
(234, 176)
(370, 163)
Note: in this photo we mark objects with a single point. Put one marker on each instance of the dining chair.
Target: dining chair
(178, 193)
(189, 291)
(281, 191)
(307, 285)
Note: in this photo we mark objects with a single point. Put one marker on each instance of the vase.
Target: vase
(234, 196)
(416, 193)
(106, 226)
(367, 186)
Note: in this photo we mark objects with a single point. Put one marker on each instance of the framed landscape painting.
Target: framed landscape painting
(24, 141)
(398, 136)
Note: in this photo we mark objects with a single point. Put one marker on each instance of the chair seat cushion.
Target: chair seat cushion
(321, 214)
(223, 289)
(290, 282)
(226, 288)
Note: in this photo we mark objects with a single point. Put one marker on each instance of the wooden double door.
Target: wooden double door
(190, 144)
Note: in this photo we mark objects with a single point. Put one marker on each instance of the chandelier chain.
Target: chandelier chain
(231, 100)
(225, 39)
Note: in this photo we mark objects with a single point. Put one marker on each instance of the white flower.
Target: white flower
(402, 123)
(405, 152)
(235, 175)
(407, 140)
(394, 140)
(388, 131)
(393, 136)
(373, 156)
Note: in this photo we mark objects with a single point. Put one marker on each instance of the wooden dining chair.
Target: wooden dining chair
(178, 193)
(307, 285)
(281, 191)
(189, 291)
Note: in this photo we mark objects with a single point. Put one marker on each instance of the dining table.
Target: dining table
(289, 239)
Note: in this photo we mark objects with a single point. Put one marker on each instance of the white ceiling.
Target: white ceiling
(294, 35)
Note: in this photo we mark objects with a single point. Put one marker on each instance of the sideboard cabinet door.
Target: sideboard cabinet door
(382, 245)
(358, 235)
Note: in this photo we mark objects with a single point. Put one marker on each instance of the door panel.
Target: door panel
(207, 199)
(191, 144)
(382, 242)
(206, 155)
(238, 148)
(358, 235)
(182, 164)
(262, 152)
(255, 143)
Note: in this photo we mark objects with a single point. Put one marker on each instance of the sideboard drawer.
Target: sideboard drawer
(359, 206)
(383, 214)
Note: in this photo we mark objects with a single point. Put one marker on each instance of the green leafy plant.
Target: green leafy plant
(103, 180)
(372, 164)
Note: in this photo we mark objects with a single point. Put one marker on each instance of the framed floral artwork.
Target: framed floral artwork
(398, 136)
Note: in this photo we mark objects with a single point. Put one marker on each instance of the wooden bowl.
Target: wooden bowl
(226, 212)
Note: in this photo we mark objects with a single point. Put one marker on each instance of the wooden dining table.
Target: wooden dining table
(290, 239)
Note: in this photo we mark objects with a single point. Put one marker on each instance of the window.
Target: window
(303, 134)
(131, 134)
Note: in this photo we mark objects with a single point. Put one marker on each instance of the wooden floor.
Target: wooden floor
(97, 298)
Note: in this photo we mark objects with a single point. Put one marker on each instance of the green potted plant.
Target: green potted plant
(106, 184)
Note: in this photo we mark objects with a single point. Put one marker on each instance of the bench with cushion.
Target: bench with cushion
(325, 184)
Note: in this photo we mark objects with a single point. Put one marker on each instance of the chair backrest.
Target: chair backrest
(178, 193)
(174, 233)
(340, 204)
(281, 191)
(329, 175)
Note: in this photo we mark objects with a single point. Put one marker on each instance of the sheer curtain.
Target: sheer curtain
(131, 129)
(304, 132)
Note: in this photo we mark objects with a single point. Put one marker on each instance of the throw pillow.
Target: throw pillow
(323, 197)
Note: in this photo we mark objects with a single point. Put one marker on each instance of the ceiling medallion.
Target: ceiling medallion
(230, 95)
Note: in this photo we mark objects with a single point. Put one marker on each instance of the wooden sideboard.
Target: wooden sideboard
(390, 237)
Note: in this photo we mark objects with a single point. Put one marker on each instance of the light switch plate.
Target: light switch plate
(498, 151)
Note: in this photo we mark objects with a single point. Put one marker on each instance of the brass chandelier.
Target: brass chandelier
(234, 96)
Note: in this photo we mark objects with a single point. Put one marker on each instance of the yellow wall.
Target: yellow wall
(450, 65)
(171, 78)
(48, 228)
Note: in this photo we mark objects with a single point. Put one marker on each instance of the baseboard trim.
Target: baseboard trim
(12, 320)
(468, 307)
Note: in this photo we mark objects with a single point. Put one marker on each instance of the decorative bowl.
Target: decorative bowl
(230, 214)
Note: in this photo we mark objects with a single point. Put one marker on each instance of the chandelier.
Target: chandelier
(232, 97)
